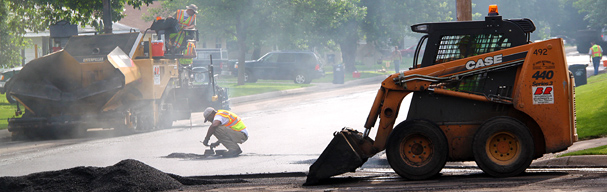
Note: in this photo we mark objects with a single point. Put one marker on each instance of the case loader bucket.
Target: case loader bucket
(343, 154)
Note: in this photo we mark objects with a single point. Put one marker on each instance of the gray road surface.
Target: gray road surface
(286, 135)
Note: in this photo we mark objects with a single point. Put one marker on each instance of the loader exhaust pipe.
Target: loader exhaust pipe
(343, 154)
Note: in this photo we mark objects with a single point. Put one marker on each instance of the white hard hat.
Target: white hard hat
(208, 112)
(192, 7)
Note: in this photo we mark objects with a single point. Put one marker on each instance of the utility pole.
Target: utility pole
(107, 17)
(464, 10)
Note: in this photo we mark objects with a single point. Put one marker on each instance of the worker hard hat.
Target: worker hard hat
(192, 7)
(207, 112)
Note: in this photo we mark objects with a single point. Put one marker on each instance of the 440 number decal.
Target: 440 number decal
(543, 75)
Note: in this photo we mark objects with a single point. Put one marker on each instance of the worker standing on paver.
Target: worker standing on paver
(228, 128)
(186, 19)
(596, 53)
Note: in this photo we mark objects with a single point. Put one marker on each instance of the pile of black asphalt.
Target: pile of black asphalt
(126, 175)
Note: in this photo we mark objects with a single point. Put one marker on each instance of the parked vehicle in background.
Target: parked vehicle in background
(4, 82)
(300, 66)
(221, 63)
(584, 37)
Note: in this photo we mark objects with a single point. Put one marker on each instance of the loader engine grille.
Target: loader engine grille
(461, 46)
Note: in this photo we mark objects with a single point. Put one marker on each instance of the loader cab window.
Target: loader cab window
(419, 52)
(461, 46)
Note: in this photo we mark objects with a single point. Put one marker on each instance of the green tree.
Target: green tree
(595, 12)
(20, 16)
(551, 17)
(388, 21)
(328, 21)
(248, 22)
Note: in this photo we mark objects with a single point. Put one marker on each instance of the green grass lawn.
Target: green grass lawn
(591, 113)
(6, 111)
(262, 86)
(591, 108)
(602, 150)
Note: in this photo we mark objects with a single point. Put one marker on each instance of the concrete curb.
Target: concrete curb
(551, 160)
(319, 87)
(586, 161)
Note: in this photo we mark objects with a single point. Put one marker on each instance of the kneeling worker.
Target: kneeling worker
(227, 128)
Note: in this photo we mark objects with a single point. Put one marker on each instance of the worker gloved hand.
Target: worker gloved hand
(206, 142)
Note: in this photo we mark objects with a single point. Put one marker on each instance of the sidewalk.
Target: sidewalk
(551, 160)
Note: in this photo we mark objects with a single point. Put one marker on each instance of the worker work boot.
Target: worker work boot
(213, 145)
(232, 153)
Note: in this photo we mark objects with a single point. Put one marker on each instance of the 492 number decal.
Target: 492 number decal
(541, 52)
(543, 75)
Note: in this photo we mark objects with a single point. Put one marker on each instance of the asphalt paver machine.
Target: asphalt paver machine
(119, 81)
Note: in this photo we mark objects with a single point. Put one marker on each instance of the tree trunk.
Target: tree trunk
(107, 17)
(348, 54)
(349, 45)
(464, 10)
(241, 38)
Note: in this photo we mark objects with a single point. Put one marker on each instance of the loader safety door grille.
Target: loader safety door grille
(461, 46)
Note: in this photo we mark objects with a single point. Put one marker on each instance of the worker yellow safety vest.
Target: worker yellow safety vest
(234, 121)
(596, 51)
(183, 22)
(191, 49)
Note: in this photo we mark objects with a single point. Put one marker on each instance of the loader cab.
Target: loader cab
(448, 41)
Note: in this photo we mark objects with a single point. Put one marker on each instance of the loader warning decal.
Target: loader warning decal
(543, 95)
(156, 74)
(544, 64)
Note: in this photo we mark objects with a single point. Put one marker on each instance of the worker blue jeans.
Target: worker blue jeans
(596, 61)
(396, 65)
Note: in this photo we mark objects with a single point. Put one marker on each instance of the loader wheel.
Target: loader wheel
(145, 122)
(503, 147)
(417, 149)
(165, 121)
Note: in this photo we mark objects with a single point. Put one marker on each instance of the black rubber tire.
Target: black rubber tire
(301, 78)
(412, 140)
(145, 122)
(10, 99)
(249, 77)
(503, 147)
(165, 121)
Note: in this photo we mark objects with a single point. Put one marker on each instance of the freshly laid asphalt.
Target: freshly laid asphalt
(547, 161)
